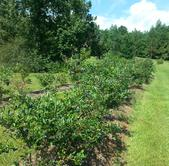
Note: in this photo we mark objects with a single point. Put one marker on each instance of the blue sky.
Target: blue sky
(134, 14)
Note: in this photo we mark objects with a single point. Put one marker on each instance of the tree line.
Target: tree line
(36, 32)
(149, 44)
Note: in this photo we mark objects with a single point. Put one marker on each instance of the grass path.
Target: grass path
(149, 143)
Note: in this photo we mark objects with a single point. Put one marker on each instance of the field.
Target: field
(78, 90)
(149, 143)
(97, 88)
(75, 113)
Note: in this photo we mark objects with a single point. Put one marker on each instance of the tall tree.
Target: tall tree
(59, 28)
(9, 20)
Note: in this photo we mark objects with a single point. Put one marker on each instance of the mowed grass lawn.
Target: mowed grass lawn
(149, 142)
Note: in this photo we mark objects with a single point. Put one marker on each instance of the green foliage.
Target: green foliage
(160, 61)
(5, 79)
(12, 149)
(55, 67)
(16, 55)
(38, 39)
(46, 79)
(74, 63)
(142, 71)
(152, 44)
(62, 78)
(114, 76)
(59, 28)
(53, 81)
(6, 74)
(41, 33)
(4, 148)
(117, 40)
(73, 125)
(109, 76)
(24, 75)
(8, 20)
(36, 34)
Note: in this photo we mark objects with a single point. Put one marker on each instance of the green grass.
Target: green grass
(149, 143)
(35, 82)
(33, 86)
(17, 148)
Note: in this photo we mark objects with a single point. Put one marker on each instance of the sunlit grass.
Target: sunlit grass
(149, 143)
(34, 84)
(17, 148)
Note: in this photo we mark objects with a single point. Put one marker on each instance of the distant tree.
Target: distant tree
(158, 41)
(9, 20)
(138, 43)
(152, 44)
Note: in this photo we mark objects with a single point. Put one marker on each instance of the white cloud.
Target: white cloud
(104, 22)
(142, 15)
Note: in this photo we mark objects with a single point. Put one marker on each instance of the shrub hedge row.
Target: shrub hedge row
(66, 128)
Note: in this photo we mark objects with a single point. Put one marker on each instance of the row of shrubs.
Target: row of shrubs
(64, 129)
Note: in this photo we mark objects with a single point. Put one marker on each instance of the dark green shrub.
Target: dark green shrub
(142, 71)
(5, 80)
(160, 61)
(62, 78)
(46, 79)
(111, 76)
(4, 148)
(73, 124)
(74, 63)
(55, 67)
(74, 67)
